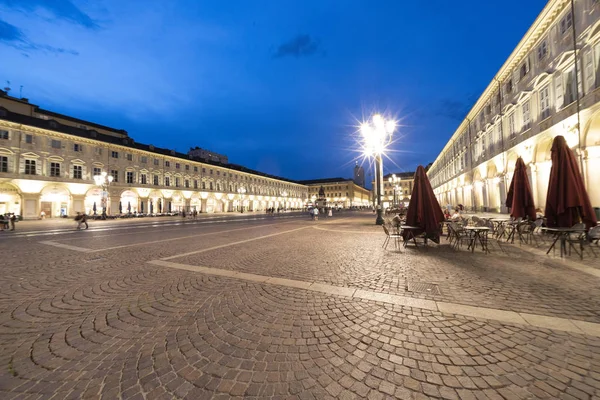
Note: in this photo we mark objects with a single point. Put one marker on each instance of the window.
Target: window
(570, 87)
(155, 180)
(167, 181)
(97, 171)
(211, 171)
(30, 167)
(177, 181)
(4, 135)
(218, 172)
(3, 164)
(526, 115)
(203, 185)
(545, 102)
(542, 50)
(29, 139)
(195, 169)
(77, 172)
(54, 169)
(129, 176)
(56, 144)
(143, 179)
(129, 157)
(187, 167)
(177, 165)
(509, 86)
(167, 163)
(98, 151)
(156, 161)
(114, 154)
(195, 184)
(566, 22)
(77, 147)
(115, 174)
(511, 125)
(524, 70)
(143, 159)
(187, 183)
(211, 186)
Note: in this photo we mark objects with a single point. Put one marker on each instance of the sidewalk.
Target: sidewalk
(69, 223)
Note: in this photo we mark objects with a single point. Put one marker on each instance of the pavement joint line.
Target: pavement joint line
(233, 243)
(67, 246)
(503, 316)
(188, 237)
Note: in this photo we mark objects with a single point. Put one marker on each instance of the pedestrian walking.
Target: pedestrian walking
(330, 214)
(316, 211)
(13, 219)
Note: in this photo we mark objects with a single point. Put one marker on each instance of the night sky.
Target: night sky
(277, 85)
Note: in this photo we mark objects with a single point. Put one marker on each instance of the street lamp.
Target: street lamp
(241, 191)
(377, 135)
(103, 180)
(394, 180)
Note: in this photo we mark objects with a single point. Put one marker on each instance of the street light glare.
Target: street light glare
(365, 129)
(390, 126)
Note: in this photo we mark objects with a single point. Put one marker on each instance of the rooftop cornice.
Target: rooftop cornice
(537, 30)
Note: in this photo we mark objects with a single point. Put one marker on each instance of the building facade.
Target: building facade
(48, 162)
(549, 86)
(339, 192)
(398, 191)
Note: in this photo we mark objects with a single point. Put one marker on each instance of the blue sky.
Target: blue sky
(277, 85)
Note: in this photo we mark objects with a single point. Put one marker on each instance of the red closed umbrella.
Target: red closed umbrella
(567, 202)
(520, 198)
(424, 210)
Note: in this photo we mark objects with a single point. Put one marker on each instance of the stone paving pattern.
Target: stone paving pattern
(109, 325)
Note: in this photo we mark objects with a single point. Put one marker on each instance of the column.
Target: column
(502, 189)
(113, 205)
(485, 195)
(532, 174)
(78, 203)
(188, 207)
(204, 205)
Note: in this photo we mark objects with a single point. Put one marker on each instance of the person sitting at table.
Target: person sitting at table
(456, 216)
(538, 213)
(446, 214)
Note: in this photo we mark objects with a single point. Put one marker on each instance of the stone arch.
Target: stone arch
(492, 171)
(542, 151)
(591, 131)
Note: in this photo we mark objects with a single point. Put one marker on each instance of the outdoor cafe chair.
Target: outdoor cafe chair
(594, 235)
(391, 235)
(577, 237)
(525, 232)
(460, 235)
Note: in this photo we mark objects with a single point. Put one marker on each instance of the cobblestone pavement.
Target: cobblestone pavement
(107, 324)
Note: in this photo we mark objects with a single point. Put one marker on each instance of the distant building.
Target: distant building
(404, 187)
(338, 192)
(359, 175)
(197, 152)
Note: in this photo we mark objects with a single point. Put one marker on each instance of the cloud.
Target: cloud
(63, 9)
(14, 37)
(299, 46)
(10, 33)
(456, 109)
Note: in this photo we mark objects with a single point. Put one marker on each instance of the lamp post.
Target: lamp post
(241, 191)
(377, 135)
(103, 180)
(394, 183)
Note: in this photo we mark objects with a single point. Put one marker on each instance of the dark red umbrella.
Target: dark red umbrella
(424, 210)
(567, 202)
(520, 198)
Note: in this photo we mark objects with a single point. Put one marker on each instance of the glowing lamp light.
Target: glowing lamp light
(496, 180)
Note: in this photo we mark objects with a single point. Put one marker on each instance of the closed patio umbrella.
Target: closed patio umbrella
(159, 206)
(151, 208)
(129, 207)
(424, 210)
(567, 202)
(142, 207)
(520, 198)
(94, 208)
(120, 208)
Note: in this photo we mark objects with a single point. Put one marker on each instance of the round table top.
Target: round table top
(477, 228)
